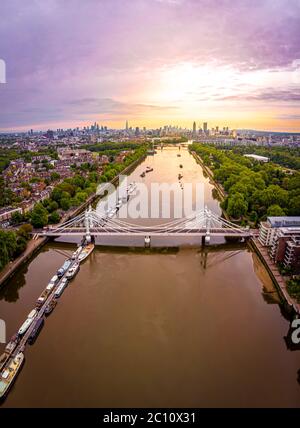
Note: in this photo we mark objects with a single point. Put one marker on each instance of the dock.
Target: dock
(21, 346)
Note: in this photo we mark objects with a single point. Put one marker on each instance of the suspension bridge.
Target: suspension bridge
(203, 224)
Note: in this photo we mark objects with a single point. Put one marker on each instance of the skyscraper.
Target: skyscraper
(126, 125)
(205, 127)
(194, 128)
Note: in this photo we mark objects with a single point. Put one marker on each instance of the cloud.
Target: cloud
(109, 105)
(81, 109)
(288, 117)
(268, 95)
(56, 52)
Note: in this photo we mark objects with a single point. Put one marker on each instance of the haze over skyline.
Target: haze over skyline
(153, 62)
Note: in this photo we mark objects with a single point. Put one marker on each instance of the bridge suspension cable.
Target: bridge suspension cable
(204, 222)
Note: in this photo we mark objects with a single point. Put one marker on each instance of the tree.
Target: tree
(75, 202)
(54, 176)
(274, 195)
(78, 181)
(17, 218)
(24, 231)
(4, 259)
(53, 205)
(65, 203)
(21, 246)
(10, 241)
(81, 196)
(93, 177)
(56, 194)
(237, 206)
(39, 216)
(54, 218)
(7, 196)
(68, 187)
(275, 210)
(294, 206)
(253, 216)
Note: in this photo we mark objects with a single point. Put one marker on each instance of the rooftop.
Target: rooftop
(284, 221)
(258, 158)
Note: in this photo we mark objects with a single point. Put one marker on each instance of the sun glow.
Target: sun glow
(192, 82)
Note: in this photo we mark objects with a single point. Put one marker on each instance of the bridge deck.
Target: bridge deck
(152, 231)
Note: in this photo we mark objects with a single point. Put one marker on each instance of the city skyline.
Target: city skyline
(69, 64)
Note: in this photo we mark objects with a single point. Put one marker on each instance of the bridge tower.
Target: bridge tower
(88, 225)
(207, 224)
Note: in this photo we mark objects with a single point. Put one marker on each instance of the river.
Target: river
(185, 327)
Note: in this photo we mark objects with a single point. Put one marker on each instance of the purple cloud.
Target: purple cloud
(60, 51)
(269, 94)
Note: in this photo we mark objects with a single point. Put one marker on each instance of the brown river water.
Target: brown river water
(185, 327)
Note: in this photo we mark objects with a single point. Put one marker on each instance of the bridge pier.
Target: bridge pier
(147, 241)
(205, 239)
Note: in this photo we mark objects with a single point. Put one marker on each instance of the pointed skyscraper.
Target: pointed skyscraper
(194, 128)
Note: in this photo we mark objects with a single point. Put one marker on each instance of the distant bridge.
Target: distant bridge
(201, 224)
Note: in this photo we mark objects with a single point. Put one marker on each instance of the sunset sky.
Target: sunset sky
(231, 63)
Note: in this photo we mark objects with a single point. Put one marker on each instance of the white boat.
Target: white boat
(10, 347)
(86, 252)
(76, 253)
(61, 287)
(61, 271)
(12, 344)
(54, 280)
(72, 271)
(10, 373)
(25, 326)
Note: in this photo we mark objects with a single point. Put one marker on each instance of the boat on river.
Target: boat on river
(60, 289)
(9, 373)
(86, 252)
(25, 326)
(50, 307)
(12, 344)
(72, 271)
(61, 271)
(3, 360)
(39, 323)
(46, 293)
(76, 253)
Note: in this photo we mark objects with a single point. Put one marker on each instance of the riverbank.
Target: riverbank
(278, 280)
(262, 252)
(95, 196)
(34, 245)
(219, 189)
